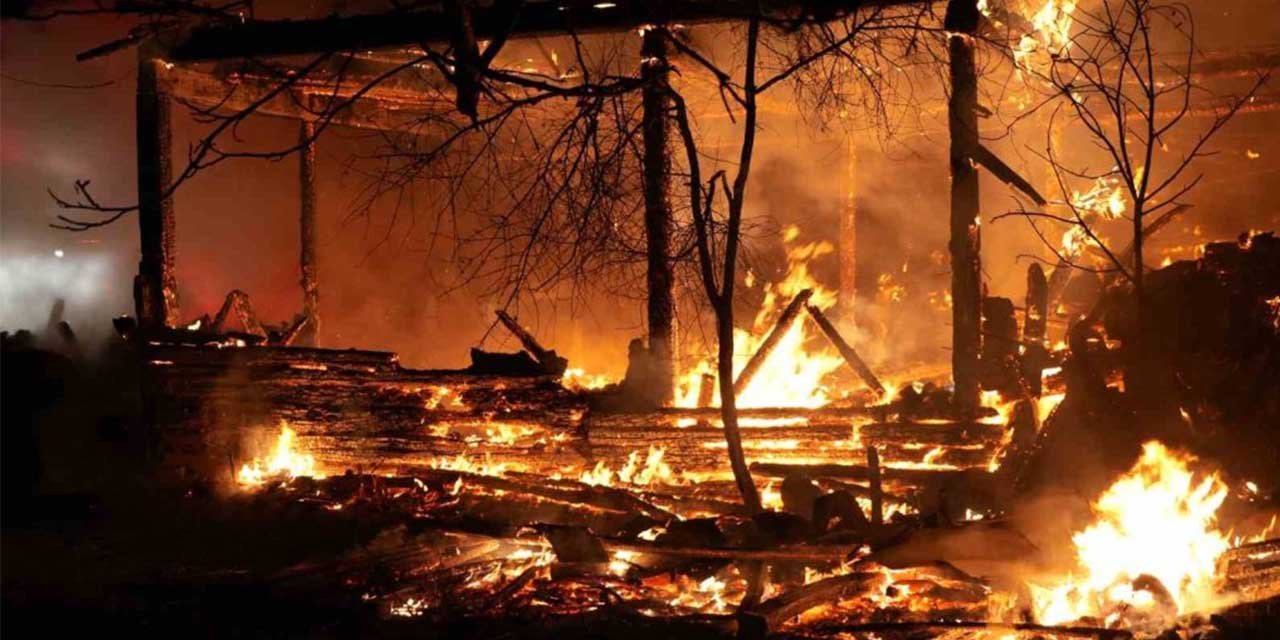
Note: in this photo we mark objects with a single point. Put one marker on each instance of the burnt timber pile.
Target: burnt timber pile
(360, 410)
(357, 409)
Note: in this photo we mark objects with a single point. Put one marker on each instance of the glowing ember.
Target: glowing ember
(707, 596)
(1273, 304)
(770, 497)
(445, 398)
(481, 467)
(1156, 523)
(1046, 404)
(410, 608)
(284, 463)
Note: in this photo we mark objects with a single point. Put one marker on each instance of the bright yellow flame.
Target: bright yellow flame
(770, 497)
(1050, 35)
(1157, 520)
(651, 471)
(444, 397)
(1046, 404)
(580, 379)
(793, 374)
(283, 463)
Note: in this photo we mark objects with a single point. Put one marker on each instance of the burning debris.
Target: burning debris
(794, 475)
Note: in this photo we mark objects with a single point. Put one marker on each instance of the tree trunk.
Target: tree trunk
(729, 410)
(657, 209)
(155, 288)
(966, 295)
(307, 232)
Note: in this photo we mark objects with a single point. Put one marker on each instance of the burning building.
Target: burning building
(841, 413)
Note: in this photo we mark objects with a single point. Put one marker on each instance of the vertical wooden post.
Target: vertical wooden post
(848, 243)
(155, 290)
(1037, 306)
(307, 230)
(966, 295)
(657, 210)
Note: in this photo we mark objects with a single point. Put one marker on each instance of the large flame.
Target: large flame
(1158, 521)
(793, 374)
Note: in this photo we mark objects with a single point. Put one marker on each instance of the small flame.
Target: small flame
(652, 471)
(770, 497)
(579, 379)
(283, 463)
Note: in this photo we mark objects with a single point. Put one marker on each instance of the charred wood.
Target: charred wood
(551, 363)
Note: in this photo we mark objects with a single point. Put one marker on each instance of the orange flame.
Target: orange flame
(793, 374)
(1157, 520)
(284, 463)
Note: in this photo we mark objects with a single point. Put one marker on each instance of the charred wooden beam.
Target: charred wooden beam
(155, 289)
(1006, 174)
(654, 70)
(961, 22)
(307, 264)
(796, 553)
(851, 356)
(856, 472)
(788, 318)
(553, 363)
(909, 629)
(238, 301)
(380, 107)
(599, 497)
(771, 614)
(536, 19)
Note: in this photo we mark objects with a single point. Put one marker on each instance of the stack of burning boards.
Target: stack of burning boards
(543, 512)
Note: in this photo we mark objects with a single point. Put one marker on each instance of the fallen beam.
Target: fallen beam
(857, 472)
(1006, 174)
(771, 614)
(907, 628)
(850, 355)
(553, 363)
(797, 553)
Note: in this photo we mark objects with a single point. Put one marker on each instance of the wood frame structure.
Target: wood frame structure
(168, 71)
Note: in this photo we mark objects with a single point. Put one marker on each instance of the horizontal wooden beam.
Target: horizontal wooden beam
(536, 18)
(379, 109)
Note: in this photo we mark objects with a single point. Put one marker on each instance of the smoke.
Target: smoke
(31, 284)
